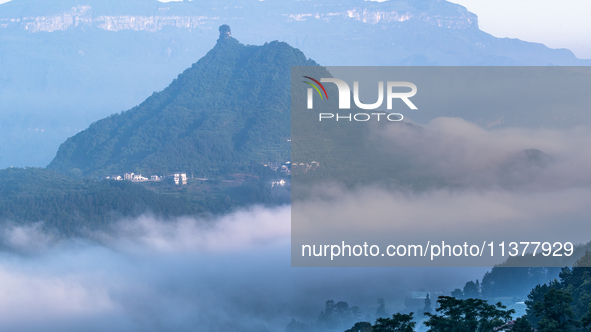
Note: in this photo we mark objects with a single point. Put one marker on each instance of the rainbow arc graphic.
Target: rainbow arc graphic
(316, 87)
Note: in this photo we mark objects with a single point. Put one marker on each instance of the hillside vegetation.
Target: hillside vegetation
(227, 112)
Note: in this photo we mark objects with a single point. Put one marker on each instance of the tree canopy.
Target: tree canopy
(457, 315)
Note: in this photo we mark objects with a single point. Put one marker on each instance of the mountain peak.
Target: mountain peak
(225, 32)
(226, 113)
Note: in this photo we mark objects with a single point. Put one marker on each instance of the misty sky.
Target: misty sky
(557, 24)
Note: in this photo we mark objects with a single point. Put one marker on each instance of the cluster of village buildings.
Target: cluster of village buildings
(178, 178)
(303, 168)
(278, 183)
(276, 166)
(288, 167)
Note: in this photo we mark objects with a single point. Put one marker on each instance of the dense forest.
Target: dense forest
(71, 205)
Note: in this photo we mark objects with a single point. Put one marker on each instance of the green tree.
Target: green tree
(577, 282)
(521, 325)
(503, 281)
(472, 290)
(470, 315)
(586, 320)
(457, 293)
(555, 312)
(337, 315)
(584, 261)
(361, 327)
(536, 295)
(398, 323)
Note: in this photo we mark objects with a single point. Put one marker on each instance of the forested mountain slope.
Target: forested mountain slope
(230, 110)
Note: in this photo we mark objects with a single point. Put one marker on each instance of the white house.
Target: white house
(139, 178)
(279, 183)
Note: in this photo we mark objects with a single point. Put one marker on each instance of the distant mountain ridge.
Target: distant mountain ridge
(228, 112)
(67, 63)
(42, 8)
(396, 32)
(130, 14)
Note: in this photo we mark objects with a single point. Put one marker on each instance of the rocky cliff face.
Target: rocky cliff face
(462, 20)
(82, 15)
(187, 16)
